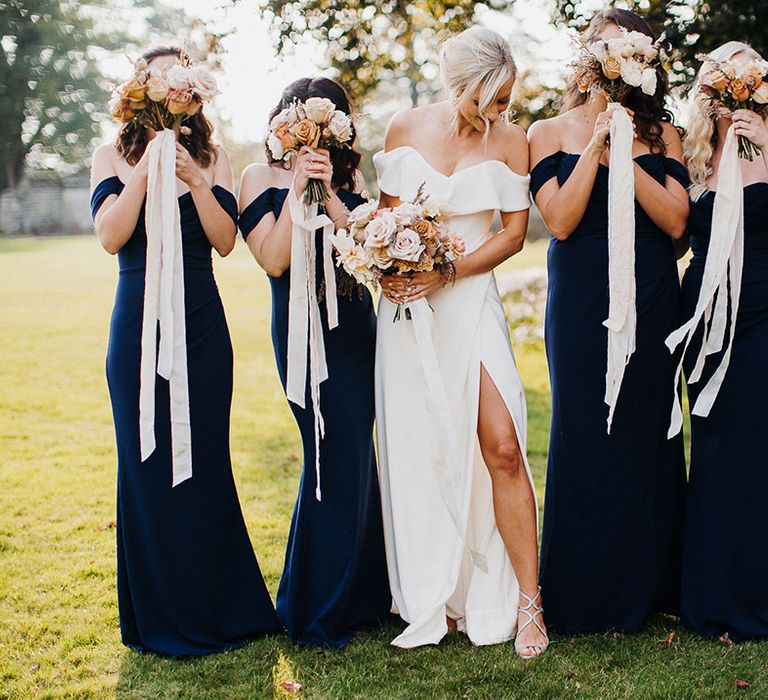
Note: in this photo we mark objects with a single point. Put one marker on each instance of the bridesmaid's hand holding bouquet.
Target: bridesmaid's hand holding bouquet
(316, 124)
(742, 90)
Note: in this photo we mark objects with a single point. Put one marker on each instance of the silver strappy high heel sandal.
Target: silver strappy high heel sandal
(533, 611)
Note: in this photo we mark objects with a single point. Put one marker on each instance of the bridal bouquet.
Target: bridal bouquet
(315, 123)
(401, 239)
(615, 66)
(163, 99)
(733, 86)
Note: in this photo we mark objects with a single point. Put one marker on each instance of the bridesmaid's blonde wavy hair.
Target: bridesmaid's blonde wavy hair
(478, 58)
(701, 137)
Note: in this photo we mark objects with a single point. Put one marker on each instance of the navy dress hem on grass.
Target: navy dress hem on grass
(725, 547)
(334, 581)
(613, 511)
(188, 581)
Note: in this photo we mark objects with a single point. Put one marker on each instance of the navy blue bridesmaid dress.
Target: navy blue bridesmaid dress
(334, 581)
(187, 578)
(725, 550)
(613, 510)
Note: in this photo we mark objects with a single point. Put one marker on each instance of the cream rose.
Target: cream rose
(157, 88)
(406, 246)
(760, 95)
(363, 212)
(380, 231)
(406, 212)
(648, 85)
(203, 83)
(632, 73)
(178, 77)
(275, 147)
(340, 126)
(319, 109)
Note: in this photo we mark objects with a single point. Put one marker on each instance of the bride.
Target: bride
(458, 499)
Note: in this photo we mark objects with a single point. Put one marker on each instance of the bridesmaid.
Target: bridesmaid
(614, 503)
(725, 554)
(187, 579)
(335, 578)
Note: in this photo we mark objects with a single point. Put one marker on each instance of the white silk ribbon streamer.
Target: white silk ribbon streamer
(622, 312)
(305, 329)
(448, 473)
(724, 263)
(164, 302)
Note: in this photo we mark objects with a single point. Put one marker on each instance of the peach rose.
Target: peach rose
(738, 88)
(306, 132)
(119, 109)
(134, 92)
(182, 102)
(286, 138)
(611, 68)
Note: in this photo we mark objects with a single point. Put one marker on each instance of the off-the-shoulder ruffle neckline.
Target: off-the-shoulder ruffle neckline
(491, 161)
(181, 196)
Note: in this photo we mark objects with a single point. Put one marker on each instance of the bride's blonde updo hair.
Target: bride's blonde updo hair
(701, 138)
(478, 58)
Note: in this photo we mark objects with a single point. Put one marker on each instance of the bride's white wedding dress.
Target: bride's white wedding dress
(444, 552)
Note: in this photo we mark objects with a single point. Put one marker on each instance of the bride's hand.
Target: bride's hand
(401, 289)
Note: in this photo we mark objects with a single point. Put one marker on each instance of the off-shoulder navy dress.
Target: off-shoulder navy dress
(611, 541)
(725, 551)
(187, 578)
(335, 576)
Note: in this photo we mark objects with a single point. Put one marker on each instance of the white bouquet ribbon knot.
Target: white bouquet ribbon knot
(724, 263)
(305, 329)
(164, 303)
(622, 312)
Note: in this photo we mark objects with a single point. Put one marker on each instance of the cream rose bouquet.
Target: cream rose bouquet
(732, 86)
(394, 240)
(163, 99)
(315, 123)
(616, 66)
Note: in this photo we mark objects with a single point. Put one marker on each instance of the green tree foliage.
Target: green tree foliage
(52, 91)
(373, 43)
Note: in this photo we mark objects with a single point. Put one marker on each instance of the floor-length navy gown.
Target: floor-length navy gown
(725, 550)
(187, 578)
(335, 577)
(614, 503)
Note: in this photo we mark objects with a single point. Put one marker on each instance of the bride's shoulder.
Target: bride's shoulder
(512, 144)
(407, 123)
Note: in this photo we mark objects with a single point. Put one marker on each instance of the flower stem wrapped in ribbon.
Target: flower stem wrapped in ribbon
(731, 86)
(613, 68)
(162, 100)
(315, 123)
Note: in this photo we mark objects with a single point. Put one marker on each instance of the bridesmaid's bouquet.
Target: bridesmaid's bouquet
(394, 240)
(315, 123)
(163, 99)
(732, 86)
(616, 66)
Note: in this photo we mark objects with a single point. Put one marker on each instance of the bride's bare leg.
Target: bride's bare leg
(513, 501)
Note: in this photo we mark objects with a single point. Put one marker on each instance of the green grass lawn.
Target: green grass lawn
(58, 616)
